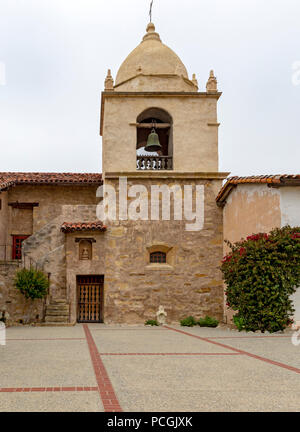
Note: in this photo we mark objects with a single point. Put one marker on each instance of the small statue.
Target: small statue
(85, 254)
(161, 315)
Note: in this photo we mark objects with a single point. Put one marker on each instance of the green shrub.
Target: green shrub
(32, 283)
(188, 322)
(151, 322)
(208, 322)
(239, 322)
(261, 274)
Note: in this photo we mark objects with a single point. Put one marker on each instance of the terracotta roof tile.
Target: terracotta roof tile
(8, 179)
(69, 227)
(231, 182)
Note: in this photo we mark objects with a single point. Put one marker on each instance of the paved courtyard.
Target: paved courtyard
(94, 367)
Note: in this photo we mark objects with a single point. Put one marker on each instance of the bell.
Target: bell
(153, 143)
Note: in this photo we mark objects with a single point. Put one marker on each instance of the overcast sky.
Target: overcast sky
(55, 55)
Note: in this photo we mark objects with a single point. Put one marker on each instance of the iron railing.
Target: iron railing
(26, 261)
(5, 252)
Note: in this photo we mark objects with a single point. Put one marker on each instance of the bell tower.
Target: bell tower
(160, 169)
(153, 117)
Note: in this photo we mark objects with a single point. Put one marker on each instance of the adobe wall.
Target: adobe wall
(251, 209)
(290, 205)
(290, 215)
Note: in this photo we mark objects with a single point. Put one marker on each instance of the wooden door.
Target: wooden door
(90, 298)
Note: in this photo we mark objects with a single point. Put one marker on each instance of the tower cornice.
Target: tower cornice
(108, 94)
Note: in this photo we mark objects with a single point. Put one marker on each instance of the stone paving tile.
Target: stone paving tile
(279, 349)
(209, 401)
(235, 383)
(224, 332)
(140, 341)
(51, 402)
(23, 332)
(148, 383)
(121, 327)
(46, 363)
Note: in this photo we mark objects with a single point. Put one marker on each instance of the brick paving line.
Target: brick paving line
(46, 389)
(246, 337)
(44, 339)
(109, 399)
(266, 360)
(124, 329)
(169, 354)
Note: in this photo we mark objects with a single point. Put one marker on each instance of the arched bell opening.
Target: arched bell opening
(154, 139)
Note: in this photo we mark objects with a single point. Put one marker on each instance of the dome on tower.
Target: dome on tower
(151, 58)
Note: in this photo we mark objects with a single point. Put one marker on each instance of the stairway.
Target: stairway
(57, 312)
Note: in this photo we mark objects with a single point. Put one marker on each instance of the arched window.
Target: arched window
(159, 121)
(158, 257)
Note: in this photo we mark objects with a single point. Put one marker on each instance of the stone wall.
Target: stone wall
(190, 285)
(51, 199)
(77, 267)
(16, 307)
(46, 250)
(3, 224)
(46, 247)
(21, 221)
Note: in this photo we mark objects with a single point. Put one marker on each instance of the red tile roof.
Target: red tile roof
(8, 179)
(283, 179)
(69, 227)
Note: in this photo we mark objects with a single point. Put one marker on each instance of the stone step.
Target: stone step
(57, 308)
(58, 301)
(52, 318)
(57, 313)
(56, 324)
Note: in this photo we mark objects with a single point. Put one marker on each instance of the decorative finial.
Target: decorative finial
(109, 82)
(151, 33)
(194, 80)
(212, 83)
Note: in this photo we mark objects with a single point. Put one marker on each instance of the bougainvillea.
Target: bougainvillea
(261, 274)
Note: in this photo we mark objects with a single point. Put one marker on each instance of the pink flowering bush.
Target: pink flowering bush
(261, 273)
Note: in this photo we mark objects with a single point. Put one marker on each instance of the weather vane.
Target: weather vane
(150, 12)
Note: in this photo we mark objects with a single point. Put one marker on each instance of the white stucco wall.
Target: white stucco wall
(290, 215)
(290, 205)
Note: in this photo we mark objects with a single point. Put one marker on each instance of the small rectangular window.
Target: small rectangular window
(17, 246)
(158, 257)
